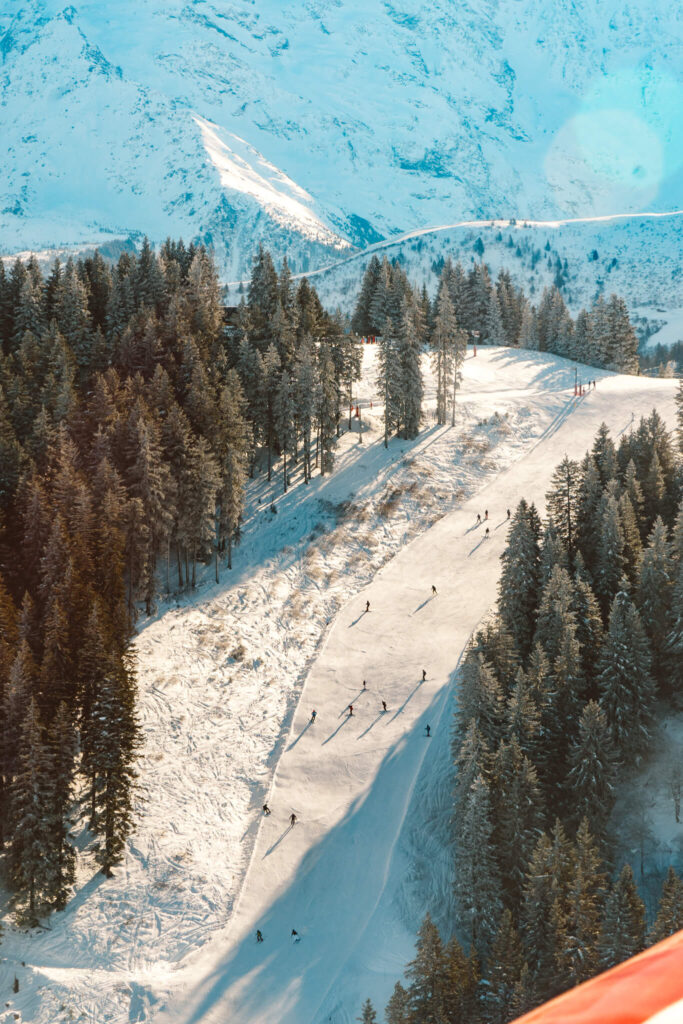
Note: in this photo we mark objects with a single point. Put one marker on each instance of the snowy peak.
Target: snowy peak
(316, 126)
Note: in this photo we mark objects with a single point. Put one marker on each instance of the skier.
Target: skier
(266, 809)
(486, 513)
(508, 513)
(486, 535)
(384, 705)
(424, 674)
(313, 715)
(367, 606)
(433, 589)
(365, 685)
(478, 519)
(350, 710)
(259, 937)
(295, 935)
(292, 818)
(429, 731)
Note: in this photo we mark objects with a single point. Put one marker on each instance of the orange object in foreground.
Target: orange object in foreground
(631, 993)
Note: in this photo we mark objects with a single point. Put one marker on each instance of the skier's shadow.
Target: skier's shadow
(356, 621)
(476, 546)
(421, 606)
(502, 523)
(355, 700)
(333, 734)
(407, 700)
(277, 842)
(305, 729)
(474, 526)
(372, 724)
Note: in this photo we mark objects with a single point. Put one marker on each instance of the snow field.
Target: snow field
(221, 674)
(339, 875)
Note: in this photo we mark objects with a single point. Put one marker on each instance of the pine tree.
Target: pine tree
(504, 970)
(591, 781)
(284, 422)
(389, 379)
(61, 753)
(578, 922)
(480, 699)
(609, 562)
(477, 880)
(523, 719)
(633, 547)
(426, 972)
(622, 932)
(517, 814)
(398, 1008)
(654, 595)
(625, 683)
(518, 588)
(443, 342)
(327, 423)
(231, 453)
(589, 628)
(545, 888)
(368, 1015)
(669, 918)
(113, 748)
(29, 850)
(562, 501)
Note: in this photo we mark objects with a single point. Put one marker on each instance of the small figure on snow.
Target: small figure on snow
(486, 535)
(259, 937)
(266, 809)
(424, 674)
(350, 710)
(295, 935)
(365, 685)
(508, 513)
(478, 519)
(429, 731)
(486, 513)
(292, 818)
(433, 590)
(367, 606)
(314, 715)
(384, 705)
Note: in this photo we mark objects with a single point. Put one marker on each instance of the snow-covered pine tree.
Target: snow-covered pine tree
(517, 809)
(477, 879)
(480, 699)
(654, 596)
(553, 554)
(327, 404)
(591, 781)
(504, 971)
(427, 974)
(589, 628)
(622, 932)
(304, 393)
(409, 349)
(633, 548)
(604, 455)
(562, 500)
(232, 454)
(443, 345)
(522, 716)
(625, 682)
(578, 925)
(284, 422)
(389, 379)
(608, 567)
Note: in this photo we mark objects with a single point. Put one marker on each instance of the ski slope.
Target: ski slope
(355, 783)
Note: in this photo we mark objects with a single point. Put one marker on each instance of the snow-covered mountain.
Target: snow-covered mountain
(322, 126)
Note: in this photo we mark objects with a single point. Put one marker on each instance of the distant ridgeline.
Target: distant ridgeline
(556, 702)
(130, 416)
(500, 314)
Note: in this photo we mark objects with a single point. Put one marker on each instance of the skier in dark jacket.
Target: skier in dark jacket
(266, 809)
(487, 535)
(292, 818)
(259, 937)
(367, 606)
(384, 705)
(433, 589)
(429, 731)
(424, 674)
(486, 513)
(313, 715)
(350, 710)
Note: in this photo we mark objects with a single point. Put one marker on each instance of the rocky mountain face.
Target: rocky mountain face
(321, 126)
